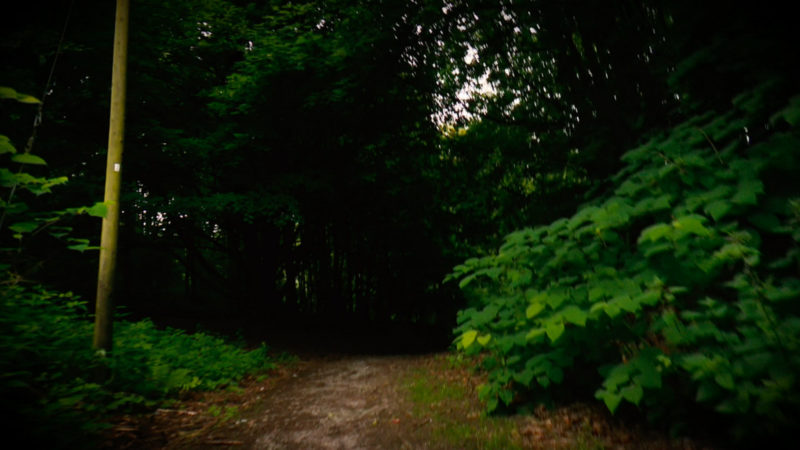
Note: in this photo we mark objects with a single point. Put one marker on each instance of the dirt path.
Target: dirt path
(348, 403)
(372, 402)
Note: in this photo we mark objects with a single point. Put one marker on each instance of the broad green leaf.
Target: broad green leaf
(597, 307)
(99, 209)
(557, 296)
(619, 374)
(468, 338)
(463, 283)
(535, 333)
(483, 340)
(596, 292)
(611, 399)
(691, 224)
(748, 191)
(83, 247)
(534, 296)
(534, 309)
(649, 297)
(27, 158)
(632, 393)
(624, 302)
(506, 395)
(612, 310)
(9, 93)
(543, 380)
(554, 329)
(655, 232)
(525, 377)
(725, 380)
(718, 209)
(574, 315)
(6, 146)
(24, 227)
(22, 98)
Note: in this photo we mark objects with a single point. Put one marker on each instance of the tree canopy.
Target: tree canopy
(620, 173)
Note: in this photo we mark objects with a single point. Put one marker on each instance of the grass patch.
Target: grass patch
(445, 401)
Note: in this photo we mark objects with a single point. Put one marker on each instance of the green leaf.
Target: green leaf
(612, 310)
(506, 395)
(575, 315)
(618, 375)
(748, 191)
(655, 232)
(27, 158)
(525, 377)
(691, 224)
(611, 399)
(554, 329)
(99, 209)
(725, 380)
(463, 283)
(483, 340)
(8, 93)
(650, 297)
(29, 99)
(6, 146)
(633, 393)
(468, 338)
(543, 380)
(533, 310)
(718, 209)
(535, 333)
(624, 302)
(555, 297)
(24, 227)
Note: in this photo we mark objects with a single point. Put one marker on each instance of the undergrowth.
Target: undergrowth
(47, 367)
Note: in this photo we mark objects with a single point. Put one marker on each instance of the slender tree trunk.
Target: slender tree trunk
(108, 241)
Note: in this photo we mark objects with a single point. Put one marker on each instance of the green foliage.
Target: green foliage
(47, 364)
(155, 362)
(442, 399)
(684, 277)
(20, 189)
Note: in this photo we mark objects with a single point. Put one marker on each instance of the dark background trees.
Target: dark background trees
(335, 159)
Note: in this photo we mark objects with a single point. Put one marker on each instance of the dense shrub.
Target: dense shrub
(679, 286)
(47, 366)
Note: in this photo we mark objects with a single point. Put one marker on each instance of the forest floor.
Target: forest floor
(371, 402)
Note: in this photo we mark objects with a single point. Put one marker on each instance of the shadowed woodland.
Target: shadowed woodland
(590, 201)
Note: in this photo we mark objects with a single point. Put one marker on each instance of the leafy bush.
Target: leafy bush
(155, 362)
(47, 365)
(681, 284)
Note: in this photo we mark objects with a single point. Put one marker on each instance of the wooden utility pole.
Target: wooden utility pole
(104, 306)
